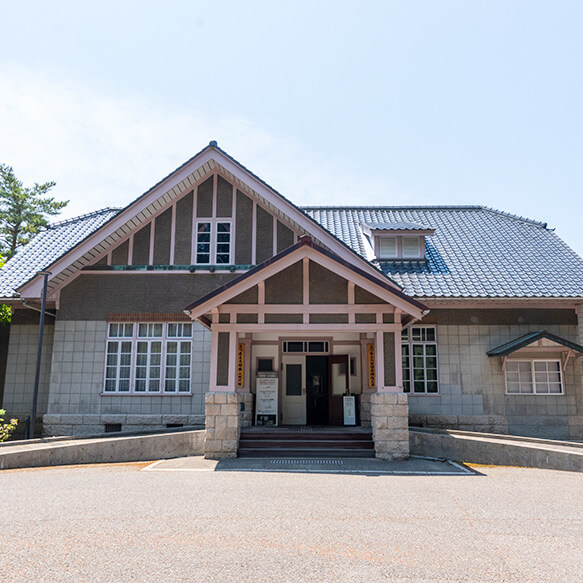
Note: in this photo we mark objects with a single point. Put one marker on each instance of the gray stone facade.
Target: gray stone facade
(472, 389)
(77, 405)
(21, 369)
(222, 425)
(390, 425)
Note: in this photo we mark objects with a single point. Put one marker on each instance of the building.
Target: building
(164, 312)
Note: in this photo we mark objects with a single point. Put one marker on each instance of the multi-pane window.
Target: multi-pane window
(419, 350)
(534, 377)
(147, 358)
(213, 248)
(203, 243)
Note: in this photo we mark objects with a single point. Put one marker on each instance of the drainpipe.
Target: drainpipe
(45, 275)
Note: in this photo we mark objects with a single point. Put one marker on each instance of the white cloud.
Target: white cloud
(104, 148)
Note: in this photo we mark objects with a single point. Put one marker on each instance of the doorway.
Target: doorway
(312, 389)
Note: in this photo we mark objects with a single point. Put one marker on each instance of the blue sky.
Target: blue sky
(380, 103)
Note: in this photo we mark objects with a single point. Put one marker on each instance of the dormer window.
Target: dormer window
(396, 241)
(387, 247)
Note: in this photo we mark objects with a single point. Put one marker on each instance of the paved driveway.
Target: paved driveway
(117, 523)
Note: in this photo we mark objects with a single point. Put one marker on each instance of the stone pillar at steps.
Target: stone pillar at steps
(222, 425)
(245, 409)
(390, 425)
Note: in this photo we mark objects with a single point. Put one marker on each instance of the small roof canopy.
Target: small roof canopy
(532, 338)
(397, 226)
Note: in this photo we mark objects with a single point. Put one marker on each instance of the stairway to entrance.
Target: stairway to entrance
(306, 441)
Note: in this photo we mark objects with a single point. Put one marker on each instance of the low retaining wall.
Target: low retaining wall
(500, 450)
(131, 448)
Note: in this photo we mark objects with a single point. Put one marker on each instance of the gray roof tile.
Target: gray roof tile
(47, 247)
(475, 252)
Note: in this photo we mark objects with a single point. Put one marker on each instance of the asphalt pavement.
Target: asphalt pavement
(194, 520)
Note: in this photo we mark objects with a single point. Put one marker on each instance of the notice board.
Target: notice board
(266, 398)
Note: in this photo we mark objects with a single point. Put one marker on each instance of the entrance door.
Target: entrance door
(294, 390)
(339, 386)
(317, 403)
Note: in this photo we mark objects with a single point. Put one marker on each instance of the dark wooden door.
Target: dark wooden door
(317, 390)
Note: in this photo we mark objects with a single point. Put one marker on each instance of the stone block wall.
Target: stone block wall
(245, 409)
(390, 425)
(472, 390)
(365, 404)
(222, 425)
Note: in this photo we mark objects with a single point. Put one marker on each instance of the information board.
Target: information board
(349, 403)
(266, 398)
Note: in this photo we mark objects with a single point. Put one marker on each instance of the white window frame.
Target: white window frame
(169, 334)
(409, 342)
(213, 243)
(533, 382)
(399, 242)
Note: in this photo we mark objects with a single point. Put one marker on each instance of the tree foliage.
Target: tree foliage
(23, 210)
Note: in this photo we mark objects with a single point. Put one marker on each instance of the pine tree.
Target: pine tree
(23, 210)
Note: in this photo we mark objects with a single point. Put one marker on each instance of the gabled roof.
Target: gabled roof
(530, 338)
(293, 254)
(175, 185)
(476, 252)
(48, 246)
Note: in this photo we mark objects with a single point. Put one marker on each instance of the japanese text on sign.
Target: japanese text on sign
(371, 367)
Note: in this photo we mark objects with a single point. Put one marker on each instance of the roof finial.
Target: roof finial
(214, 144)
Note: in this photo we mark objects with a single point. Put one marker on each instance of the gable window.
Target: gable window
(419, 353)
(148, 358)
(541, 377)
(213, 242)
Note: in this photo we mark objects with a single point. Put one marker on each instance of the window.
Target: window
(411, 247)
(213, 249)
(306, 347)
(388, 247)
(419, 349)
(541, 377)
(147, 358)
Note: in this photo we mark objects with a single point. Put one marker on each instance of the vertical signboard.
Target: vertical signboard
(240, 366)
(372, 381)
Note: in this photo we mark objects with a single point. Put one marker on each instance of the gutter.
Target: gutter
(27, 305)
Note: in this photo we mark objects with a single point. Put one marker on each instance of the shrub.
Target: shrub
(6, 428)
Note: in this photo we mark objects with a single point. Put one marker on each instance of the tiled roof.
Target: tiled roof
(47, 247)
(475, 252)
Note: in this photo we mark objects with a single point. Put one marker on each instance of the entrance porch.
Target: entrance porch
(306, 339)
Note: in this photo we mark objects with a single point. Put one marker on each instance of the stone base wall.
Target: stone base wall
(222, 425)
(365, 405)
(390, 425)
(245, 409)
(481, 423)
(78, 425)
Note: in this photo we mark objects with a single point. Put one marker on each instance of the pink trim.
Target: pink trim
(304, 309)
(152, 234)
(254, 234)
(173, 234)
(294, 257)
(172, 187)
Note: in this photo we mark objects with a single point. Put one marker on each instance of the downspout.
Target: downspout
(45, 275)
